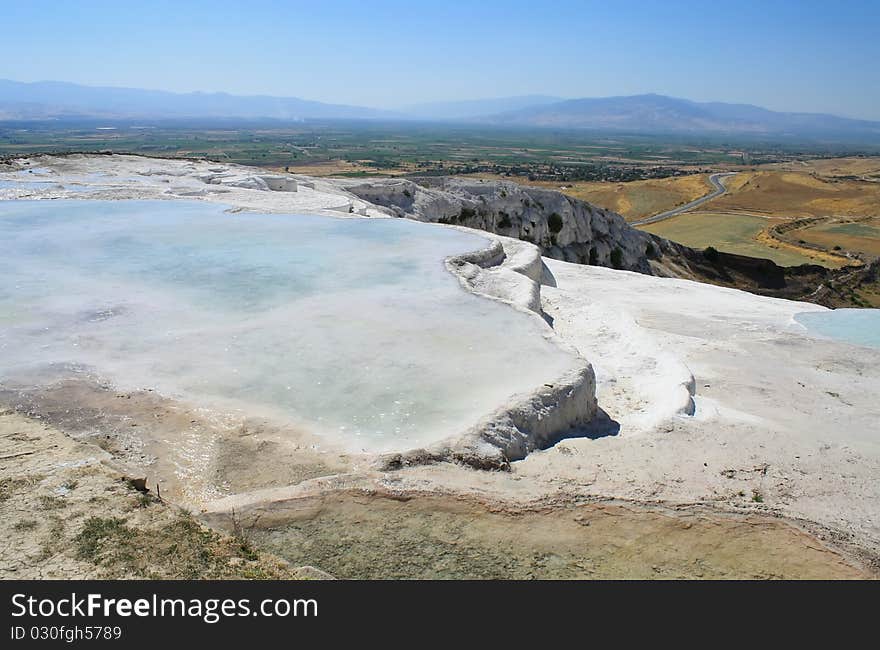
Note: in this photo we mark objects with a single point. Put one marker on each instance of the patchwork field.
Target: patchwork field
(734, 233)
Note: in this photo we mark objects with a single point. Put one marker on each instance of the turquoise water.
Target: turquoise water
(352, 328)
(859, 326)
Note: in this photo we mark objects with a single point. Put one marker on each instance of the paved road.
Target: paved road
(715, 179)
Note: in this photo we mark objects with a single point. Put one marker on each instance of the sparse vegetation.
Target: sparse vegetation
(97, 532)
(617, 258)
(179, 549)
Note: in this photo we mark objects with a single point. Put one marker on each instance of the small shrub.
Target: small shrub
(617, 258)
(838, 248)
(649, 250)
(555, 222)
(96, 532)
(757, 497)
(711, 254)
(466, 213)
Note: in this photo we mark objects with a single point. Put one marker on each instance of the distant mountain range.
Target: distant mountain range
(649, 114)
(660, 114)
(59, 100)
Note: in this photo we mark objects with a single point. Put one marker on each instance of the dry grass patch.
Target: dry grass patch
(178, 549)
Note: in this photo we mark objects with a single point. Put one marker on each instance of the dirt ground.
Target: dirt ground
(66, 512)
(375, 537)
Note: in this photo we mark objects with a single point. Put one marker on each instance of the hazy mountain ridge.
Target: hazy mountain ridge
(658, 113)
(55, 99)
(654, 114)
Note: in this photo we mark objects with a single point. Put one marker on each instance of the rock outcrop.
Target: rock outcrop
(562, 227)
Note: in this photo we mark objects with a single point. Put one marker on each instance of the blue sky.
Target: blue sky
(785, 55)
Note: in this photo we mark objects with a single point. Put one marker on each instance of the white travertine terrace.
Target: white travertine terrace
(782, 423)
(507, 270)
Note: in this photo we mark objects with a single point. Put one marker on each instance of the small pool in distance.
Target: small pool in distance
(350, 328)
(858, 326)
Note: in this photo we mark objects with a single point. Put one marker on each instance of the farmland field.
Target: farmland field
(862, 237)
(731, 233)
(374, 147)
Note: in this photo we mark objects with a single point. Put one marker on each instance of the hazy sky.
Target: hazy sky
(805, 55)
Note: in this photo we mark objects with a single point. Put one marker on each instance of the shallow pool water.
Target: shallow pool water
(859, 326)
(352, 328)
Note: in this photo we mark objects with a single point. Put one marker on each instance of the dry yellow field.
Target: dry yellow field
(638, 199)
(797, 194)
(633, 199)
(835, 167)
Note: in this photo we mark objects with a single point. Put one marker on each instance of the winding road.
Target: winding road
(715, 179)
